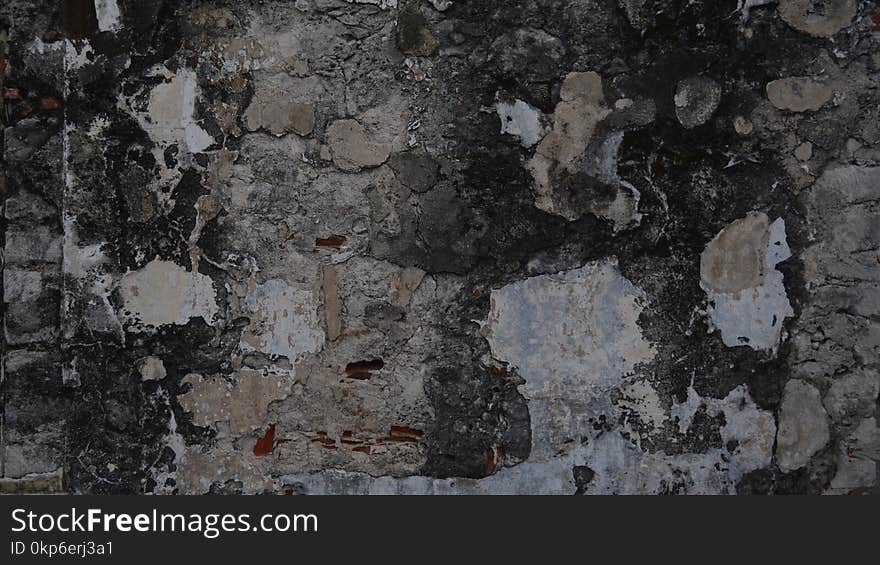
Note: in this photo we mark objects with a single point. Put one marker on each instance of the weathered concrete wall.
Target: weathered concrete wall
(445, 246)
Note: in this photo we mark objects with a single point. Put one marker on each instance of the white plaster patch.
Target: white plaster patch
(522, 120)
(752, 316)
(170, 115)
(751, 429)
(576, 328)
(165, 293)
(152, 369)
(284, 321)
(109, 16)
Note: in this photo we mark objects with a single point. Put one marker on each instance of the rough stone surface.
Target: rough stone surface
(440, 247)
(803, 429)
(350, 148)
(696, 99)
(798, 94)
(823, 19)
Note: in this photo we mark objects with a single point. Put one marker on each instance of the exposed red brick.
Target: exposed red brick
(405, 431)
(324, 440)
(397, 439)
(334, 241)
(348, 438)
(265, 444)
(362, 448)
(50, 104)
(363, 369)
(490, 461)
(11, 94)
(500, 371)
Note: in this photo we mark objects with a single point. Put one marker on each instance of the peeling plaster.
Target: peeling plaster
(748, 301)
(169, 119)
(286, 247)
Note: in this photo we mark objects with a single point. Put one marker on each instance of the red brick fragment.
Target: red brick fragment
(323, 439)
(397, 439)
(362, 370)
(334, 241)
(265, 444)
(348, 438)
(405, 431)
